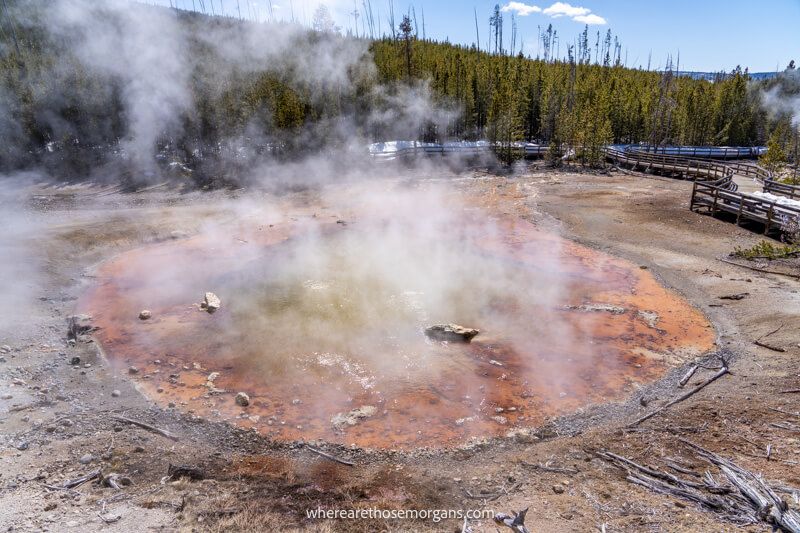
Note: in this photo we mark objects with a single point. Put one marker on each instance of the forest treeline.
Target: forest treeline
(51, 102)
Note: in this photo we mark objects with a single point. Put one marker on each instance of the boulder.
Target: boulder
(210, 302)
(451, 333)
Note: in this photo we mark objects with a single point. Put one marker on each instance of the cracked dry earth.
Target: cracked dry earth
(61, 404)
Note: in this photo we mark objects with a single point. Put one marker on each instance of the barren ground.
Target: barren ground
(53, 413)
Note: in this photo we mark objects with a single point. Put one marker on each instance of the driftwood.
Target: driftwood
(329, 456)
(72, 483)
(685, 379)
(769, 507)
(790, 391)
(722, 371)
(768, 346)
(148, 427)
(515, 521)
(760, 341)
(744, 499)
(740, 296)
(765, 271)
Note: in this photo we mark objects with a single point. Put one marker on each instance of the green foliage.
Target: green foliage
(49, 96)
(766, 250)
(775, 156)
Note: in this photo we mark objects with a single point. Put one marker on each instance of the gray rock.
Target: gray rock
(133, 370)
(594, 308)
(86, 459)
(115, 393)
(342, 420)
(242, 399)
(78, 326)
(5, 348)
(451, 333)
(211, 302)
(144, 314)
(75, 360)
(558, 489)
(23, 445)
(6, 396)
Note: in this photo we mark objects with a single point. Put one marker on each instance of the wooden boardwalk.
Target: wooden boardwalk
(715, 191)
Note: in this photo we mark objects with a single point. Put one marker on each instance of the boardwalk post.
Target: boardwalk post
(714, 206)
(739, 214)
(694, 191)
(769, 218)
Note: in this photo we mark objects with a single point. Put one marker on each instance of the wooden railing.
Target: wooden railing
(720, 174)
(715, 191)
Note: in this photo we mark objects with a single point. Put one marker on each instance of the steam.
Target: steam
(144, 49)
(151, 60)
(784, 98)
(20, 269)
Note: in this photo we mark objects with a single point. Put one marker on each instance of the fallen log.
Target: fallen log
(329, 456)
(712, 379)
(148, 427)
(768, 506)
(765, 271)
(768, 346)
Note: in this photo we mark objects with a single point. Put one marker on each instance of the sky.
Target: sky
(707, 35)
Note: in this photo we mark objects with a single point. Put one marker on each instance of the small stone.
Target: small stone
(145, 314)
(2, 359)
(6, 396)
(5, 348)
(242, 399)
(500, 419)
(558, 489)
(211, 302)
(115, 393)
(296, 401)
(50, 506)
(133, 370)
(86, 459)
(18, 382)
(75, 360)
(22, 445)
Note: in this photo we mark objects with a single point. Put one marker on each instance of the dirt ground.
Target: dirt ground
(57, 413)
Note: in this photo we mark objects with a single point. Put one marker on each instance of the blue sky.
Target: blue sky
(708, 35)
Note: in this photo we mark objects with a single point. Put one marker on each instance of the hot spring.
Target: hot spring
(324, 310)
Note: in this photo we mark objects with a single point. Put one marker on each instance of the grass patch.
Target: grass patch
(767, 250)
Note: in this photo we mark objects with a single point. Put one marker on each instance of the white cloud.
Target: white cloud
(590, 19)
(521, 9)
(560, 9)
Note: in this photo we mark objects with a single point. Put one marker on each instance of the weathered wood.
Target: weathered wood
(712, 379)
(148, 427)
(329, 456)
(685, 379)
